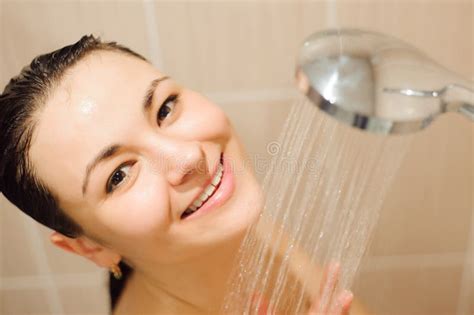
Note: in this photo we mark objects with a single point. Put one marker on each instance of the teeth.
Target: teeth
(197, 203)
(218, 177)
(209, 190)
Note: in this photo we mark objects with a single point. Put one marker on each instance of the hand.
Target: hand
(328, 302)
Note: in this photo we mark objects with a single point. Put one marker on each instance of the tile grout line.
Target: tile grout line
(2, 231)
(248, 96)
(466, 283)
(85, 279)
(378, 263)
(153, 37)
(331, 14)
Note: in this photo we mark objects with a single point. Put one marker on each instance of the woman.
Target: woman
(133, 172)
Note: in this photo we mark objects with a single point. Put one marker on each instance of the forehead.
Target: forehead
(88, 109)
(105, 69)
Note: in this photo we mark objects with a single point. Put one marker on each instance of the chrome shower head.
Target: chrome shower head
(378, 83)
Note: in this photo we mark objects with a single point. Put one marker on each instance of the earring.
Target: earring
(115, 270)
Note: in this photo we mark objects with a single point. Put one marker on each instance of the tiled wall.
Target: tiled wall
(241, 54)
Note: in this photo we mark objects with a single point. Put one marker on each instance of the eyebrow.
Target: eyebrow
(113, 149)
(150, 92)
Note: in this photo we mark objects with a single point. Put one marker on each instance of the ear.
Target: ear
(85, 247)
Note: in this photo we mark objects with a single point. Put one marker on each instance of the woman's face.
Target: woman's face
(127, 151)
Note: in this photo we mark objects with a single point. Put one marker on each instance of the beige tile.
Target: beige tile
(429, 208)
(232, 46)
(222, 46)
(442, 29)
(85, 300)
(39, 27)
(16, 302)
(16, 254)
(414, 291)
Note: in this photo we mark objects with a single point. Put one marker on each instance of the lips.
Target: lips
(207, 192)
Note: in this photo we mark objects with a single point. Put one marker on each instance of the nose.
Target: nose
(185, 164)
(184, 158)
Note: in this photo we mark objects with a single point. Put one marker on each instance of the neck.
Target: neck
(198, 286)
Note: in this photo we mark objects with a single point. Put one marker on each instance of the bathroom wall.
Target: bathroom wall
(241, 55)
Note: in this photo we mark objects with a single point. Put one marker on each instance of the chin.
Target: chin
(222, 234)
(229, 223)
(243, 209)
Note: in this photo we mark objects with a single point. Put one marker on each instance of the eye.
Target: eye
(166, 108)
(117, 177)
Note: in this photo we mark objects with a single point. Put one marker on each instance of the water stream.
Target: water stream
(324, 191)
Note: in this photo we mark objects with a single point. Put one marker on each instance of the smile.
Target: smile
(217, 191)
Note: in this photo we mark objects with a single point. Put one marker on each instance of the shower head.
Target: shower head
(378, 83)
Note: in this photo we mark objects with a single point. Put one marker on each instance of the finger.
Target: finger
(330, 287)
(331, 267)
(343, 303)
(316, 305)
(259, 304)
(347, 303)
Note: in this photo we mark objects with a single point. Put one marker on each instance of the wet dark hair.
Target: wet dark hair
(21, 99)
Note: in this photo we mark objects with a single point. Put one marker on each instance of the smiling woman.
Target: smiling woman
(154, 180)
(133, 172)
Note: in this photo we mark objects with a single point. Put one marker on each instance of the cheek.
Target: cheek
(203, 119)
(143, 210)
